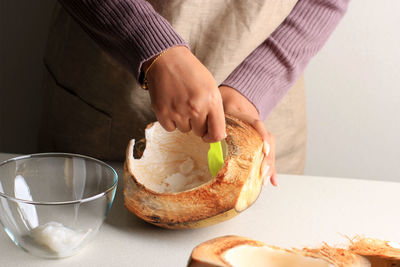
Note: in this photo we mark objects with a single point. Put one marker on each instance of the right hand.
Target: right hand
(239, 106)
(184, 95)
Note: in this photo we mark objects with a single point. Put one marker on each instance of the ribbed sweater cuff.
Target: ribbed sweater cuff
(266, 75)
(130, 31)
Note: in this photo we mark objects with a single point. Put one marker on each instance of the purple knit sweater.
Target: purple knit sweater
(132, 32)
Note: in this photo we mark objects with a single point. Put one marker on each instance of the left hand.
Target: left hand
(239, 106)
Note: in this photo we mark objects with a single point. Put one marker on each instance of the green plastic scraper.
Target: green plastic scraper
(215, 157)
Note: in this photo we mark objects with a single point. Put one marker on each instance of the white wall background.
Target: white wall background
(353, 88)
(353, 96)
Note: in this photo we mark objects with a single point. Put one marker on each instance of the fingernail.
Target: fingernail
(225, 135)
(266, 148)
(265, 171)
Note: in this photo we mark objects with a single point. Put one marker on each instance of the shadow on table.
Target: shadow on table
(123, 219)
(119, 216)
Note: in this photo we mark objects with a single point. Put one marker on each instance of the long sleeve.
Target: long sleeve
(131, 31)
(267, 74)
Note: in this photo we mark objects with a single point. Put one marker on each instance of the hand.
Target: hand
(184, 95)
(239, 106)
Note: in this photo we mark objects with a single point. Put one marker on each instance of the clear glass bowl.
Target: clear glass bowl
(52, 204)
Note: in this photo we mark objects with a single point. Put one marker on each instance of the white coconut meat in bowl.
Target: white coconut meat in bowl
(53, 204)
(170, 185)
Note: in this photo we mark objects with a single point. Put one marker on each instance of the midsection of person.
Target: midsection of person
(220, 37)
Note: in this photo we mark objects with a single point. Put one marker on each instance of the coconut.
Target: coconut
(239, 251)
(169, 184)
(379, 252)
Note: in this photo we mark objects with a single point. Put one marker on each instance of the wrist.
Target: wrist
(147, 66)
(147, 63)
(236, 103)
(158, 59)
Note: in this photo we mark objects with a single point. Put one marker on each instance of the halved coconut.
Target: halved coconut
(170, 184)
(238, 251)
(380, 253)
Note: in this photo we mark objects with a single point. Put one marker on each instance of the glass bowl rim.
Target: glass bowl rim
(60, 154)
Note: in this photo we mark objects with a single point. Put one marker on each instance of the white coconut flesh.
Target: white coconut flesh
(172, 161)
(246, 255)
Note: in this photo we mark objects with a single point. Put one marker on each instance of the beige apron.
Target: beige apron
(93, 106)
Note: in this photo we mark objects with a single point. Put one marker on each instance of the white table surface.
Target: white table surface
(303, 211)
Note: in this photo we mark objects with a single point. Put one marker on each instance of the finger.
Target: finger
(163, 116)
(269, 152)
(199, 125)
(272, 146)
(260, 128)
(265, 135)
(274, 179)
(166, 123)
(182, 123)
(270, 174)
(272, 170)
(215, 125)
(266, 148)
(264, 166)
(183, 126)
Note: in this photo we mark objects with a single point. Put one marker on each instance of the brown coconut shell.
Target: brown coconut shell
(235, 187)
(212, 253)
(379, 252)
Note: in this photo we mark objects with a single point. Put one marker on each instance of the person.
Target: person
(198, 60)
